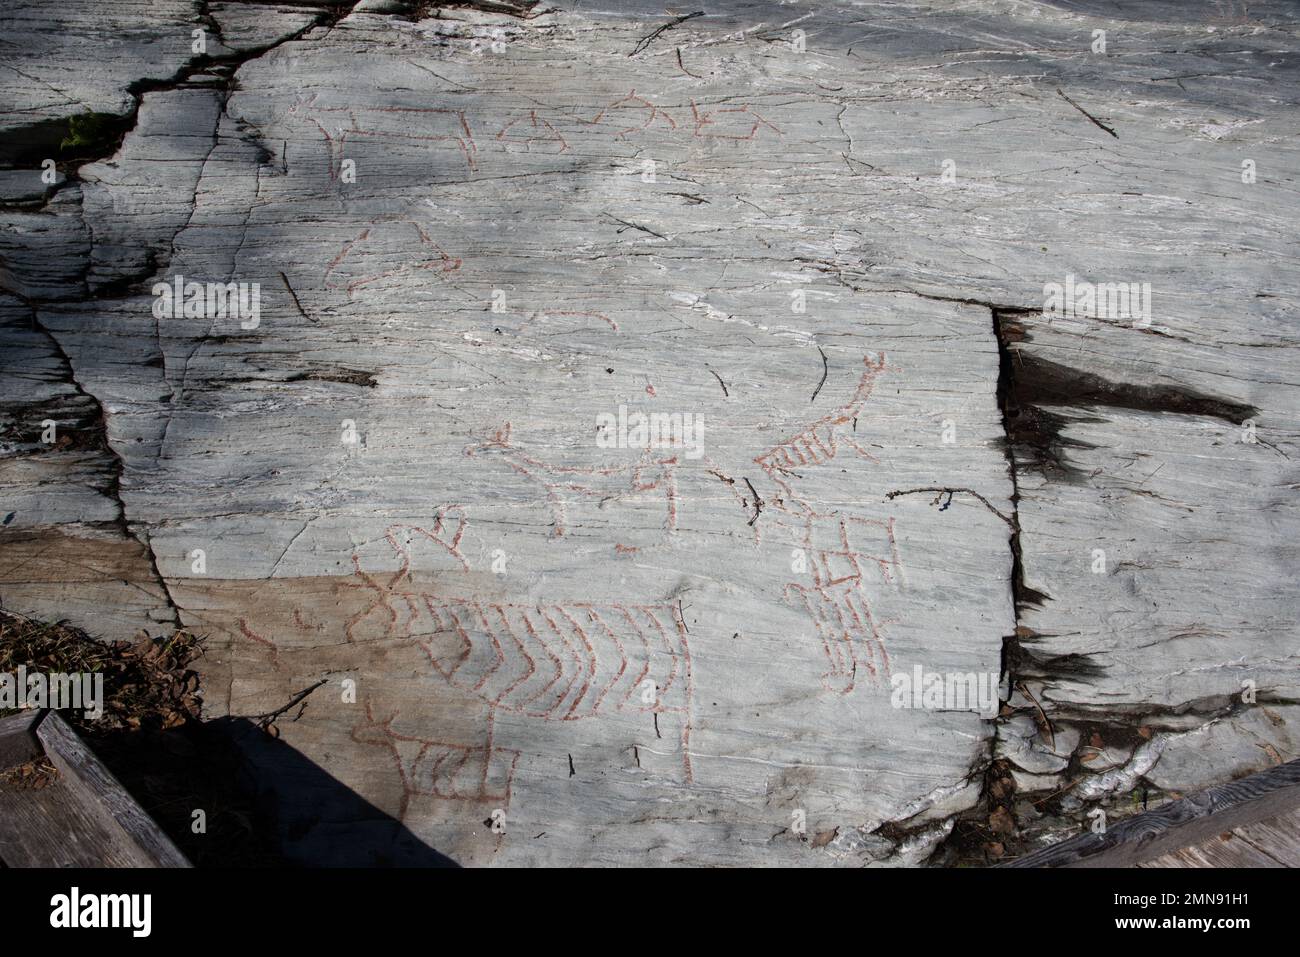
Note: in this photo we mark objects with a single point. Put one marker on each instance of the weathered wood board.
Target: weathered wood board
(83, 818)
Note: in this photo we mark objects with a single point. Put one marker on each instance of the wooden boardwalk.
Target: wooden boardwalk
(1251, 822)
(81, 816)
(1272, 843)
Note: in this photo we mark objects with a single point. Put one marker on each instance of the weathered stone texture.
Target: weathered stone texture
(477, 234)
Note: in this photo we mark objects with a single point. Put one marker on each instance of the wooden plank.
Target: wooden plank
(1184, 857)
(1226, 850)
(1279, 837)
(1229, 850)
(18, 743)
(54, 827)
(134, 835)
(1271, 843)
(1179, 824)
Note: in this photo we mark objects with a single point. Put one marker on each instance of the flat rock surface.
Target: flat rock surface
(816, 241)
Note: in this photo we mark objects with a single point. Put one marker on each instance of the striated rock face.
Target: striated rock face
(627, 423)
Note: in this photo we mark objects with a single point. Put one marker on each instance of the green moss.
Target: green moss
(90, 133)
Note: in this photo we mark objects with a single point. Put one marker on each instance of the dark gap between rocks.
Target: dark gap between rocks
(991, 831)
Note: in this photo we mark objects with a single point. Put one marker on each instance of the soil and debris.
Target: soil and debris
(150, 736)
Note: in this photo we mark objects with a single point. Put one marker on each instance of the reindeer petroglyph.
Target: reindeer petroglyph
(652, 473)
(394, 124)
(837, 600)
(351, 269)
(819, 443)
(730, 123)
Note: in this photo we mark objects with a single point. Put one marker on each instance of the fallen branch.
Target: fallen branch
(758, 502)
(683, 66)
(1094, 119)
(721, 477)
(293, 295)
(515, 8)
(650, 38)
(1044, 724)
(725, 393)
(264, 721)
(825, 369)
(942, 490)
(626, 226)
